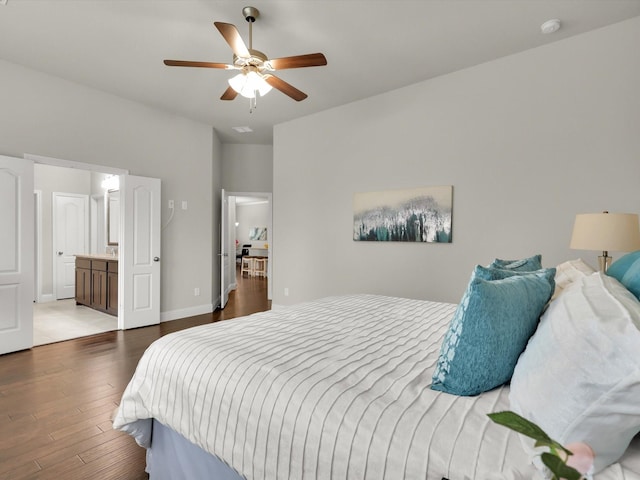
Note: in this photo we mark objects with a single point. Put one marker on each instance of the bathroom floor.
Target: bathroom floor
(63, 320)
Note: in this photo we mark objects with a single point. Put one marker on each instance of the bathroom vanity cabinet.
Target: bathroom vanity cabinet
(97, 282)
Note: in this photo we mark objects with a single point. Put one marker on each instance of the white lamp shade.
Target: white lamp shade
(247, 84)
(615, 232)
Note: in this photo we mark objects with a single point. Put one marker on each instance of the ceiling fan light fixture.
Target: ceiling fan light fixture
(249, 84)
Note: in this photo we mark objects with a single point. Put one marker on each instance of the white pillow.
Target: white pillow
(568, 272)
(579, 377)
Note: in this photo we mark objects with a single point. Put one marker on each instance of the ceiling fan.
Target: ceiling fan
(255, 67)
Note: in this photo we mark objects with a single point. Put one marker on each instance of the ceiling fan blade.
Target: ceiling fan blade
(233, 38)
(285, 87)
(299, 61)
(186, 63)
(229, 94)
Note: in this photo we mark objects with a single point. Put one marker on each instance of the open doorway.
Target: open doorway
(130, 266)
(247, 238)
(71, 219)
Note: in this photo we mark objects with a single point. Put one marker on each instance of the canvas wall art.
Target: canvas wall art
(409, 215)
(258, 233)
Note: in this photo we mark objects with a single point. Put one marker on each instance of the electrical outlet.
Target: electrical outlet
(196, 292)
(170, 203)
(286, 291)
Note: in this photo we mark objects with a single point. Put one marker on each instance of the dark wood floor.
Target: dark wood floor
(56, 400)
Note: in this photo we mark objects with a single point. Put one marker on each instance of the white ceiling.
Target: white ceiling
(372, 46)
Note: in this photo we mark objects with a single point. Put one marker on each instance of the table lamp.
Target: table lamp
(618, 232)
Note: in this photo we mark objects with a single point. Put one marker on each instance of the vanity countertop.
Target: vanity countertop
(97, 256)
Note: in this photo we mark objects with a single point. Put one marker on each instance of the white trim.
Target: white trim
(186, 312)
(38, 246)
(58, 162)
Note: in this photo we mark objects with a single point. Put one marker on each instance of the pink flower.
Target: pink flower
(582, 458)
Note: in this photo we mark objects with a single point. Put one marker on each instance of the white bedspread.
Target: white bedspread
(333, 389)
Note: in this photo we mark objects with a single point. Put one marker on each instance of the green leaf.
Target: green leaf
(522, 425)
(559, 468)
(554, 447)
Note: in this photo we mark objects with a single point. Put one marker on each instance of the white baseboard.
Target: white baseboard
(185, 312)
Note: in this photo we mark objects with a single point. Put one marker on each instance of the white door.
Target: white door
(225, 273)
(70, 238)
(139, 252)
(16, 254)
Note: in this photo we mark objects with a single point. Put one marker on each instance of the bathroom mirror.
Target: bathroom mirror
(113, 217)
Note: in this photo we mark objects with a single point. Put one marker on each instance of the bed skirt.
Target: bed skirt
(173, 457)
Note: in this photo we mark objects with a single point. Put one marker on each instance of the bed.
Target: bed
(338, 388)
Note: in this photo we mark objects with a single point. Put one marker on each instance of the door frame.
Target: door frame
(58, 162)
(37, 242)
(270, 241)
(225, 245)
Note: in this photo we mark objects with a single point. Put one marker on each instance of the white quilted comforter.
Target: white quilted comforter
(332, 389)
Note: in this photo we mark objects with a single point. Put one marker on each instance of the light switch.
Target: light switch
(184, 204)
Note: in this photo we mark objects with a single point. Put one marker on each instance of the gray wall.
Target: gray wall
(56, 118)
(247, 168)
(527, 141)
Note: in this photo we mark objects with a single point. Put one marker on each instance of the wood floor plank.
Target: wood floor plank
(71, 447)
(26, 470)
(57, 400)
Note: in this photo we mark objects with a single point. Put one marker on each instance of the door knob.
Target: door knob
(60, 253)
(156, 259)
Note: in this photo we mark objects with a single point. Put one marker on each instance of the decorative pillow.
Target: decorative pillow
(579, 377)
(627, 271)
(494, 273)
(529, 264)
(489, 331)
(568, 272)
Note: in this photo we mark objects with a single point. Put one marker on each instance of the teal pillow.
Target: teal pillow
(627, 271)
(494, 273)
(529, 264)
(490, 329)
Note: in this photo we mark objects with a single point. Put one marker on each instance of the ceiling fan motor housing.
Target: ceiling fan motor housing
(257, 59)
(250, 14)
